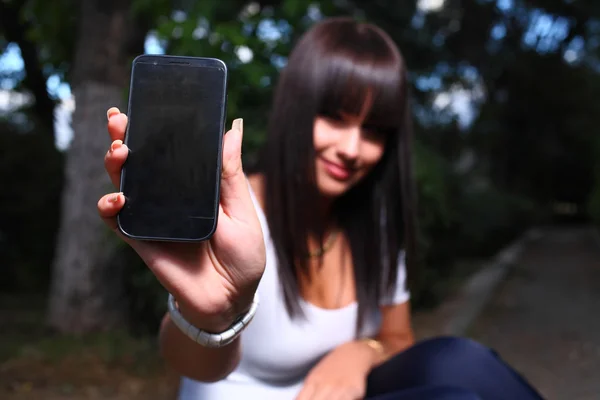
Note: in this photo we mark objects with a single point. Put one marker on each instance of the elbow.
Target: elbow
(398, 343)
(199, 371)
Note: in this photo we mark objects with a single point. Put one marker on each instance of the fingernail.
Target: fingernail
(112, 111)
(114, 198)
(115, 145)
(238, 124)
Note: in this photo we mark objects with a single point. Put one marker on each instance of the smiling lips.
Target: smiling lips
(337, 171)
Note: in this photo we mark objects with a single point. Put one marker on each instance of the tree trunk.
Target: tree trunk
(85, 289)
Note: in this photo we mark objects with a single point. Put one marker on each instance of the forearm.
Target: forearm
(193, 360)
(390, 346)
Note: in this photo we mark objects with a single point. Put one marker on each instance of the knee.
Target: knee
(453, 345)
(430, 392)
(450, 355)
(436, 361)
(452, 361)
(453, 351)
(440, 356)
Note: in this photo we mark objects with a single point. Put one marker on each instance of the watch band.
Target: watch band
(213, 340)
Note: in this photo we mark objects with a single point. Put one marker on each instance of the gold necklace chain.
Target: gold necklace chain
(326, 247)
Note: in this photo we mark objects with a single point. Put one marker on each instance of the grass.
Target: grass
(110, 348)
(36, 363)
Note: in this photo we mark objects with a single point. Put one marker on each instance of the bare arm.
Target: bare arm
(194, 361)
(396, 332)
(342, 373)
(214, 281)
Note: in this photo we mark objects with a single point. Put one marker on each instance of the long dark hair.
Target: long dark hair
(334, 67)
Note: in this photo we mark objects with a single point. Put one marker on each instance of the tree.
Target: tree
(28, 228)
(16, 30)
(85, 285)
(468, 43)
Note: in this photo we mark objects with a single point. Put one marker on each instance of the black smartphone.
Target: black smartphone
(171, 179)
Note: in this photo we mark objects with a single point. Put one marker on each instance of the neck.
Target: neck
(325, 233)
(324, 211)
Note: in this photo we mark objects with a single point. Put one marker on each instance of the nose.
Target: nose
(348, 146)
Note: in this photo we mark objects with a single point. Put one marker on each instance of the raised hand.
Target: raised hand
(213, 281)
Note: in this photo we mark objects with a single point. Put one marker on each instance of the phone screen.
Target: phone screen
(170, 179)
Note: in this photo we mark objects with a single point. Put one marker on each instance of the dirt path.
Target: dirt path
(545, 319)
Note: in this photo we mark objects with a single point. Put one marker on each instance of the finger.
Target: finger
(235, 196)
(117, 124)
(112, 111)
(109, 206)
(114, 159)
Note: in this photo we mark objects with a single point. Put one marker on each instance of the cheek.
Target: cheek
(323, 135)
(372, 152)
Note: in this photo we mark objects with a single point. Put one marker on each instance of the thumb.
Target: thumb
(235, 196)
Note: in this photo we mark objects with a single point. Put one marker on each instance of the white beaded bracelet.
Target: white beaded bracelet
(207, 339)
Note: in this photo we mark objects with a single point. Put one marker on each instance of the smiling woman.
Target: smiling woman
(333, 190)
(332, 202)
(354, 102)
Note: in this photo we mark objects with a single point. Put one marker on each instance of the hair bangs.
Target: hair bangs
(367, 84)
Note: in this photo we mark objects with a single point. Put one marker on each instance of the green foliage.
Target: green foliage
(25, 339)
(593, 204)
(462, 217)
(489, 216)
(530, 141)
(32, 179)
(433, 175)
(51, 28)
(147, 299)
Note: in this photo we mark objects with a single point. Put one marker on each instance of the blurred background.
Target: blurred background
(506, 108)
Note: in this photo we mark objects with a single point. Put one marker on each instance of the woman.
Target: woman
(323, 232)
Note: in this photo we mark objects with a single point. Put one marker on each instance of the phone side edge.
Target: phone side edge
(136, 60)
(223, 130)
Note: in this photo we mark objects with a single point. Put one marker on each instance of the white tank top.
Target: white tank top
(278, 352)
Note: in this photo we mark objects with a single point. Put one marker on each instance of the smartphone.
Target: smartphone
(171, 179)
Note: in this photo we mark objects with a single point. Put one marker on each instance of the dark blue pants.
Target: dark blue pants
(447, 368)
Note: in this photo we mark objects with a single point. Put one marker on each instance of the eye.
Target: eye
(376, 133)
(335, 120)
